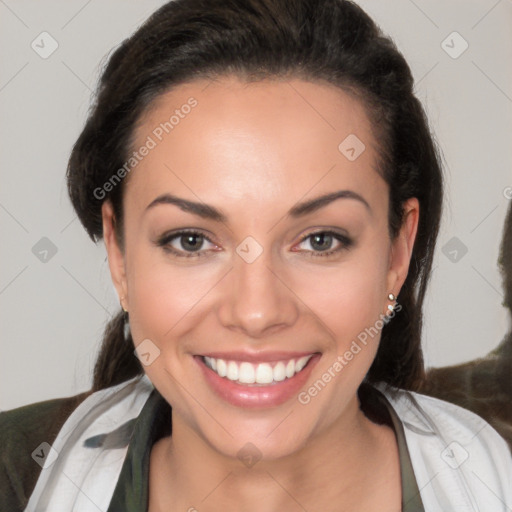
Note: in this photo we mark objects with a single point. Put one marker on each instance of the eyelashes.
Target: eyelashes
(188, 240)
(191, 244)
(319, 238)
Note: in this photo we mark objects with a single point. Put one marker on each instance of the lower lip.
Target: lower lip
(257, 395)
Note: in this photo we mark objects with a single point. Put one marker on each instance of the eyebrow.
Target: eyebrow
(210, 212)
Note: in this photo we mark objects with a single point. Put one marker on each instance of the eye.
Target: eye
(325, 243)
(186, 244)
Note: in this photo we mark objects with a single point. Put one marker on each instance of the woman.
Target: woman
(269, 196)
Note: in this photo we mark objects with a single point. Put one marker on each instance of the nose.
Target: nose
(257, 300)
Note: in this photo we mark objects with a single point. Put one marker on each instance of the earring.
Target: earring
(391, 307)
(126, 326)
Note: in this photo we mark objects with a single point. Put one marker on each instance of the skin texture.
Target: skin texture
(254, 151)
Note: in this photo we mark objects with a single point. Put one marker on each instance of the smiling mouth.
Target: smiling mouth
(261, 374)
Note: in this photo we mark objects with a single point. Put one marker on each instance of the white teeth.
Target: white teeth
(279, 372)
(232, 371)
(222, 367)
(290, 369)
(263, 373)
(301, 363)
(246, 374)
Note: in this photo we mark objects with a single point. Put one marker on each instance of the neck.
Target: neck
(340, 462)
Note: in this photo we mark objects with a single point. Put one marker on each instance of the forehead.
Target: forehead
(229, 140)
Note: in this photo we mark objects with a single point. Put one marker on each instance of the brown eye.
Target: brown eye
(325, 243)
(186, 243)
(191, 241)
(321, 241)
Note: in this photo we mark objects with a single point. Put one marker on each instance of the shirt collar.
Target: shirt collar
(131, 493)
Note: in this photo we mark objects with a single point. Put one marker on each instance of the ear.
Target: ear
(401, 250)
(116, 260)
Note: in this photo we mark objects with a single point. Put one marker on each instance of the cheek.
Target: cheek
(348, 298)
(163, 295)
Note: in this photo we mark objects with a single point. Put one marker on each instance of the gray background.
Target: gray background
(53, 307)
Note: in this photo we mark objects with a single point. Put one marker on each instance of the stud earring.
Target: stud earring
(391, 307)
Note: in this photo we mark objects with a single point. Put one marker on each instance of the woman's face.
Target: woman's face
(286, 259)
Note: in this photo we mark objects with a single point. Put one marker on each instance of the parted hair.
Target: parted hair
(315, 40)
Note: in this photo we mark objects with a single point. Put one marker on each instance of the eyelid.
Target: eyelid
(165, 240)
(343, 238)
(326, 229)
(173, 233)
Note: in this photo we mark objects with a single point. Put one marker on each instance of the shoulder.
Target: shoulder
(446, 419)
(23, 432)
(90, 447)
(454, 450)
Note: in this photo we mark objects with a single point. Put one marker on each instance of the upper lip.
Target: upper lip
(258, 357)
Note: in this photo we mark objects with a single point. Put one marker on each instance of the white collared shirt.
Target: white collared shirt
(460, 462)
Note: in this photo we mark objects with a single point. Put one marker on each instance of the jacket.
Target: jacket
(92, 463)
